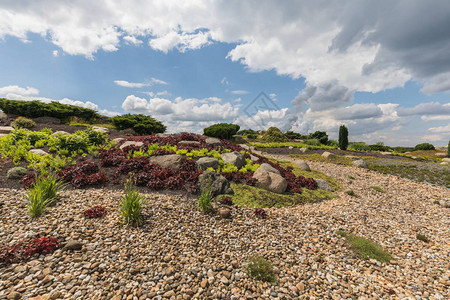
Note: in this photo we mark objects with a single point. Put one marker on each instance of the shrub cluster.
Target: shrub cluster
(19, 252)
(141, 124)
(221, 130)
(424, 146)
(42, 192)
(34, 109)
(320, 135)
(379, 147)
(294, 135)
(273, 134)
(22, 122)
(249, 133)
(260, 268)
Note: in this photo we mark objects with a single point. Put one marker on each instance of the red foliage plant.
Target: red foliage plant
(18, 252)
(95, 212)
(226, 200)
(28, 180)
(260, 213)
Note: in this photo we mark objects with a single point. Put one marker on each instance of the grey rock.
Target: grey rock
(444, 203)
(73, 245)
(386, 153)
(172, 161)
(14, 295)
(447, 159)
(303, 165)
(208, 162)
(117, 141)
(245, 147)
(323, 185)
(16, 173)
(290, 147)
(218, 184)
(100, 129)
(162, 135)
(327, 154)
(191, 143)
(236, 158)
(131, 143)
(269, 168)
(303, 149)
(60, 132)
(254, 158)
(239, 139)
(210, 141)
(359, 163)
(38, 151)
(3, 115)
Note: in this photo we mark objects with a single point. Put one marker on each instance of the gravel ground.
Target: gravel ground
(181, 253)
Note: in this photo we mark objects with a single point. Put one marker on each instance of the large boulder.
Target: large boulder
(100, 129)
(190, 143)
(239, 139)
(323, 185)
(218, 184)
(6, 129)
(235, 158)
(208, 162)
(38, 151)
(210, 141)
(254, 158)
(327, 154)
(16, 173)
(172, 161)
(303, 165)
(270, 181)
(131, 143)
(245, 147)
(269, 168)
(359, 163)
(3, 115)
(118, 140)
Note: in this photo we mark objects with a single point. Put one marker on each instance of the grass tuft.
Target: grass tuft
(365, 248)
(44, 191)
(422, 237)
(351, 193)
(260, 268)
(378, 189)
(206, 196)
(132, 205)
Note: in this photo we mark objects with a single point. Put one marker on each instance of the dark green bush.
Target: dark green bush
(402, 149)
(34, 109)
(448, 149)
(274, 135)
(424, 146)
(358, 146)
(343, 137)
(221, 130)
(320, 135)
(250, 133)
(141, 124)
(379, 147)
(293, 135)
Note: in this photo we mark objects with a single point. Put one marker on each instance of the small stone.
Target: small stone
(225, 213)
(114, 248)
(235, 264)
(327, 154)
(300, 286)
(359, 163)
(393, 262)
(224, 280)
(14, 295)
(73, 245)
(204, 283)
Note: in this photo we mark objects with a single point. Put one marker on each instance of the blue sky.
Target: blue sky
(384, 76)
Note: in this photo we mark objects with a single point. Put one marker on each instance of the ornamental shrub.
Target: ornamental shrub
(320, 135)
(343, 137)
(293, 135)
(141, 124)
(424, 146)
(34, 109)
(221, 130)
(273, 134)
(22, 122)
(260, 268)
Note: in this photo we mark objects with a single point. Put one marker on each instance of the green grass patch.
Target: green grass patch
(439, 176)
(289, 144)
(336, 159)
(378, 189)
(250, 196)
(351, 177)
(351, 193)
(365, 248)
(422, 238)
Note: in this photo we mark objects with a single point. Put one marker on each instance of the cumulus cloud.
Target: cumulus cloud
(429, 108)
(319, 41)
(240, 92)
(14, 89)
(441, 129)
(182, 111)
(150, 82)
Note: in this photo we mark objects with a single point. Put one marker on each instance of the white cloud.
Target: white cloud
(14, 89)
(55, 53)
(428, 108)
(237, 100)
(180, 112)
(239, 92)
(225, 81)
(150, 82)
(181, 41)
(441, 129)
(435, 118)
(132, 40)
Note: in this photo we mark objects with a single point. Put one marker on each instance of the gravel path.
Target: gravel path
(181, 253)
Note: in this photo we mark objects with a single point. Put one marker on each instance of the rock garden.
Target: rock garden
(99, 213)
